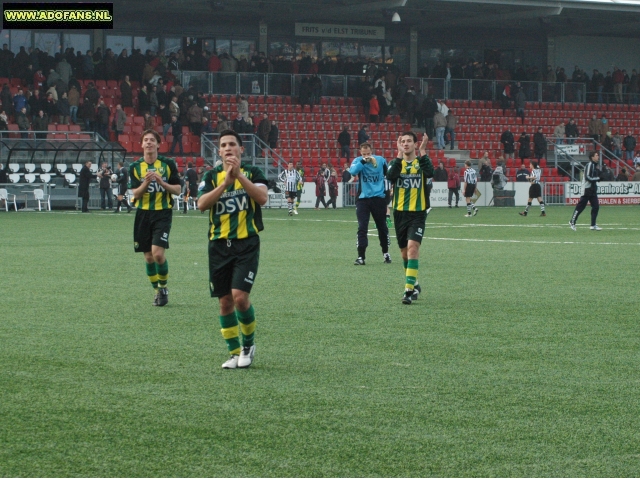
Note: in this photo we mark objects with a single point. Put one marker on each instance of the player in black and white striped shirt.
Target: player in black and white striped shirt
(470, 184)
(291, 178)
(535, 190)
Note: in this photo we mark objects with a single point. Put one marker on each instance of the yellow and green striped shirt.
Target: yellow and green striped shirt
(410, 182)
(156, 197)
(235, 214)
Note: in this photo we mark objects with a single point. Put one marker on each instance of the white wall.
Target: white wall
(601, 53)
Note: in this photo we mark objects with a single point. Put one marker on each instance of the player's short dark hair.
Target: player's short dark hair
(233, 133)
(534, 163)
(190, 165)
(152, 132)
(411, 134)
(593, 154)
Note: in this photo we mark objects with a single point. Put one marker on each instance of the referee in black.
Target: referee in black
(589, 193)
(123, 182)
(191, 179)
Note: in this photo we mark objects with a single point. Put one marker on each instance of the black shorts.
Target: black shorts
(151, 227)
(409, 226)
(470, 189)
(233, 264)
(292, 195)
(122, 189)
(535, 191)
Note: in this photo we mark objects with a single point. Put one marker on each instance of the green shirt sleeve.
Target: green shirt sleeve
(394, 169)
(257, 176)
(207, 184)
(174, 177)
(426, 166)
(134, 181)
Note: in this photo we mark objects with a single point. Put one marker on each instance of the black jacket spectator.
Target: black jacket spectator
(362, 136)
(344, 139)
(521, 174)
(571, 130)
(629, 143)
(176, 129)
(440, 175)
(92, 95)
(273, 136)
(485, 173)
(126, 94)
(507, 141)
(62, 107)
(143, 102)
(525, 146)
(539, 145)
(239, 125)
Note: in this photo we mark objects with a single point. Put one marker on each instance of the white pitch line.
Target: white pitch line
(541, 242)
(610, 226)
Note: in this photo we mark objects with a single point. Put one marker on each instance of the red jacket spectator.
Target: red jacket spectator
(321, 189)
(38, 79)
(454, 180)
(618, 76)
(374, 106)
(214, 63)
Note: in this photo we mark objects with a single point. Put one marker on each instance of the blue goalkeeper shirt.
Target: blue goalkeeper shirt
(370, 177)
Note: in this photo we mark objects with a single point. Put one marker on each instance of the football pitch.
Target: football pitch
(520, 358)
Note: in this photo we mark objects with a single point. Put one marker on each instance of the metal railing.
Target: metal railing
(553, 193)
(349, 194)
(618, 163)
(284, 84)
(569, 155)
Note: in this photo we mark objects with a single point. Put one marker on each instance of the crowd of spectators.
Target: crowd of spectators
(50, 92)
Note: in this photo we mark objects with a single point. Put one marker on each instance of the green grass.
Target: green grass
(519, 359)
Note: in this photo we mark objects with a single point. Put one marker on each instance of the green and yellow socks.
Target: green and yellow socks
(411, 272)
(158, 274)
(234, 324)
(152, 273)
(163, 274)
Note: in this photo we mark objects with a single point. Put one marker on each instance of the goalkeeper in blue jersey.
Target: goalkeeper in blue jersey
(371, 171)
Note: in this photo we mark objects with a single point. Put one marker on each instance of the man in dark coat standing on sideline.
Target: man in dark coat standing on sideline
(83, 185)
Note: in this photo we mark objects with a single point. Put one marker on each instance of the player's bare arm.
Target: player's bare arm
(400, 149)
(423, 145)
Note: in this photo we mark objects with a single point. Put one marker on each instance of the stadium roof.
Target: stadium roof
(566, 17)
